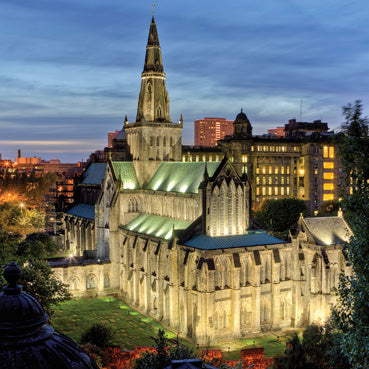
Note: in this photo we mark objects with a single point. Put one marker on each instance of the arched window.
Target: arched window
(157, 141)
(90, 282)
(73, 284)
(171, 141)
(158, 111)
(164, 141)
(106, 281)
(151, 141)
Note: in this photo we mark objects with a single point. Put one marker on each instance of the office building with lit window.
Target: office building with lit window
(209, 131)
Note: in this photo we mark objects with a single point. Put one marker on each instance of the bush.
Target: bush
(99, 335)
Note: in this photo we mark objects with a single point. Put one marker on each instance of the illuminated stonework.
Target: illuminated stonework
(173, 239)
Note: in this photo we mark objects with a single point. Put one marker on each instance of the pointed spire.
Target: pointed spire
(153, 60)
(126, 119)
(340, 213)
(206, 174)
(153, 102)
(180, 119)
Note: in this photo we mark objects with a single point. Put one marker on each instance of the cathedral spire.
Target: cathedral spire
(153, 102)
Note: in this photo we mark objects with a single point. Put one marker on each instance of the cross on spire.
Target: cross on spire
(153, 6)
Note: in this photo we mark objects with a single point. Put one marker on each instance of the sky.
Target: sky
(70, 69)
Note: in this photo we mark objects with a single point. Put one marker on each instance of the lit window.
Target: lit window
(328, 165)
(301, 172)
(265, 148)
(183, 157)
(284, 148)
(264, 170)
(216, 158)
(197, 158)
(282, 191)
(257, 170)
(257, 180)
(270, 170)
(282, 170)
(264, 181)
(315, 171)
(328, 176)
(210, 157)
(276, 170)
(244, 169)
(270, 180)
(275, 190)
(328, 197)
(325, 152)
(264, 191)
(288, 190)
(282, 180)
(288, 170)
(244, 158)
(252, 148)
(257, 191)
(328, 186)
(331, 152)
(270, 191)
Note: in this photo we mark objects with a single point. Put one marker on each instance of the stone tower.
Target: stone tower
(153, 137)
(242, 126)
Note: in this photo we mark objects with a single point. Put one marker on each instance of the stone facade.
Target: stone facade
(173, 238)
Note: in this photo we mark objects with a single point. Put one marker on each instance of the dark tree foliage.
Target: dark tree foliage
(99, 335)
(329, 208)
(280, 215)
(352, 311)
(318, 349)
(39, 280)
(37, 246)
(163, 355)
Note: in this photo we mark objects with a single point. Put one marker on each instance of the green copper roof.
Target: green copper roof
(126, 172)
(154, 225)
(181, 177)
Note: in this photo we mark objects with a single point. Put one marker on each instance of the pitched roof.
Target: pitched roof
(127, 174)
(328, 230)
(94, 174)
(251, 238)
(180, 177)
(157, 226)
(83, 210)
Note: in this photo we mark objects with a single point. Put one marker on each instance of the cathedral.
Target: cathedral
(173, 239)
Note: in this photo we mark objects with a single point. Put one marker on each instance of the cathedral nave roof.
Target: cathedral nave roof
(251, 238)
(83, 210)
(180, 176)
(94, 174)
(157, 226)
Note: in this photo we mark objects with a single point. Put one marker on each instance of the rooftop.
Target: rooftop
(94, 174)
(83, 210)
(180, 177)
(251, 238)
(328, 230)
(125, 170)
(157, 226)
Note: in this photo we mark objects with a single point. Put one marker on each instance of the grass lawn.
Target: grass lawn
(73, 317)
(133, 329)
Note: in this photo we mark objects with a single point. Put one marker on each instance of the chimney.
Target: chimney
(19, 153)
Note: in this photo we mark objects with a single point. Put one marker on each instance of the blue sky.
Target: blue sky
(70, 69)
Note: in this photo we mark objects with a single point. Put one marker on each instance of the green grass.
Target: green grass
(133, 329)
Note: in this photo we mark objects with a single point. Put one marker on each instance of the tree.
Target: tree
(329, 208)
(280, 215)
(37, 246)
(99, 335)
(319, 348)
(351, 313)
(39, 280)
(162, 356)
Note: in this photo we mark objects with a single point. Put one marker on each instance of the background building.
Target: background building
(209, 130)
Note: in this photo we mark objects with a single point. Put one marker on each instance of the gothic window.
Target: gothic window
(106, 281)
(90, 282)
(164, 141)
(226, 276)
(132, 205)
(157, 141)
(230, 212)
(171, 141)
(151, 141)
(266, 270)
(283, 315)
(73, 284)
(158, 111)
